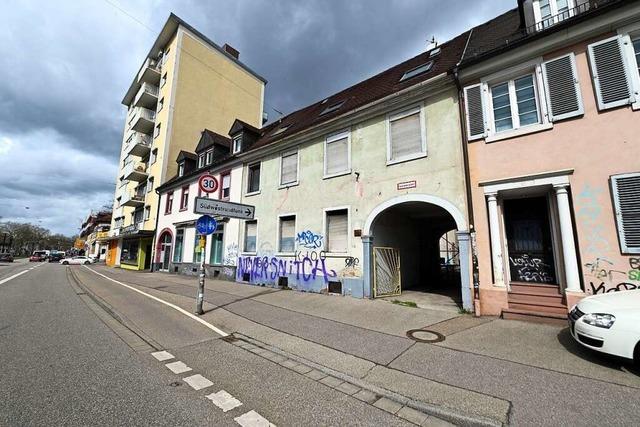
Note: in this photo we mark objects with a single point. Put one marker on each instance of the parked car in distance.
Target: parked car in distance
(6, 257)
(55, 257)
(76, 260)
(609, 323)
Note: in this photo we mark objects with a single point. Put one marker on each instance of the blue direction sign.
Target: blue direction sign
(206, 224)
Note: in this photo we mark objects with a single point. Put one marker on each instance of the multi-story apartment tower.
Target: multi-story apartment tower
(186, 83)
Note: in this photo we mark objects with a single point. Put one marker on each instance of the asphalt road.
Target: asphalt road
(63, 363)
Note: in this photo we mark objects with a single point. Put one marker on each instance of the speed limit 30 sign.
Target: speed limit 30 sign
(208, 183)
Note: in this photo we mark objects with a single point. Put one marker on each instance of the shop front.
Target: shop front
(135, 249)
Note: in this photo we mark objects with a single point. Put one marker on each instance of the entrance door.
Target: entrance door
(165, 251)
(529, 240)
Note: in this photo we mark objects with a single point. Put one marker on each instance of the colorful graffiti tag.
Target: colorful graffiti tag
(269, 269)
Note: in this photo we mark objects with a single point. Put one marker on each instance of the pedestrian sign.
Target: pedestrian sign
(206, 224)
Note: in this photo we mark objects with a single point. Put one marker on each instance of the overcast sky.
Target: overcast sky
(66, 66)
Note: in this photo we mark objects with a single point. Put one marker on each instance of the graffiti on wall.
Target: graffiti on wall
(268, 269)
(351, 267)
(309, 240)
(529, 269)
(605, 278)
(231, 254)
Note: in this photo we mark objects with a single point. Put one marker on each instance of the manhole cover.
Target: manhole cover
(425, 335)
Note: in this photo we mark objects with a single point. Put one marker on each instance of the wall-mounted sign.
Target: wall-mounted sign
(406, 185)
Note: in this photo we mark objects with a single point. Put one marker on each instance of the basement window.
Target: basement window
(417, 71)
(332, 107)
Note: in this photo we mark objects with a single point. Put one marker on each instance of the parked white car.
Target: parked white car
(76, 260)
(609, 323)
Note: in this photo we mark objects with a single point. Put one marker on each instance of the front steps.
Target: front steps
(537, 303)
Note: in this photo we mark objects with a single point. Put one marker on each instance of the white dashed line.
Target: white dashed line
(224, 400)
(178, 367)
(253, 419)
(197, 382)
(3, 281)
(175, 307)
(162, 355)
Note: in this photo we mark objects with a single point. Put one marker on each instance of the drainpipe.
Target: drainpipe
(155, 233)
(467, 178)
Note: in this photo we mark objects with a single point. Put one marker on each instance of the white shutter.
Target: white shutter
(474, 106)
(406, 136)
(337, 156)
(562, 88)
(626, 199)
(289, 168)
(609, 73)
(337, 231)
(287, 234)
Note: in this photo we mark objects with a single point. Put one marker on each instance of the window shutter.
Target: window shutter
(563, 89)
(609, 73)
(337, 156)
(289, 169)
(476, 126)
(406, 136)
(287, 234)
(337, 231)
(626, 199)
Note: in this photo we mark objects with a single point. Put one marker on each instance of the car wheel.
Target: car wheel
(65, 263)
(86, 263)
(636, 354)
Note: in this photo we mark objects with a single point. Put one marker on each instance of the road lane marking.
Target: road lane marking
(162, 355)
(3, 281)
(175, 307)
(253, 419)
(178, 367)
(197, 382)
(224, 400)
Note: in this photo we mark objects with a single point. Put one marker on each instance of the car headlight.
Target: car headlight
(599, 319)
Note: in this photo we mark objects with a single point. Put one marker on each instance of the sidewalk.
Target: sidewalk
(492, 369)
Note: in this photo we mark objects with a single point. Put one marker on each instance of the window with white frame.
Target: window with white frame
(209, 157)
(337, 222)
(253, 178)
(550, 12)
(237, 144)
(636, 53)
(514, 104)
(626, 199)
(201, 160)
(337, 154)
(250, 235)
(225, 188)
(289, 168)
(181, 169)
(287, 232)
(406, 136)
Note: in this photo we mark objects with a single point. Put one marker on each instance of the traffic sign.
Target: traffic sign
(206, 225)
(229, 209)
(207, 183)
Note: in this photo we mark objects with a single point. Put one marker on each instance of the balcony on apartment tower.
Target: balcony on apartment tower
(150, 72)
(138, 144)
(133, 198)
(135, 171)
(147, 96)
(143, 120)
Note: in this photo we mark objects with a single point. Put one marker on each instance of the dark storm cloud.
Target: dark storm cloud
(66, 66)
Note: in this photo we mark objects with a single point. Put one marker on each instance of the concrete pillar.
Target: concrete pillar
(496, 245)
(568, 243)
(367, 271)
(464, 245)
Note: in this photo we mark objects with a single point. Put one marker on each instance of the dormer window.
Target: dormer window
(550, 12)
(332, 107)
(237, 144)
(201, 160)
(181, 169)
(417, 71)
(209, 159)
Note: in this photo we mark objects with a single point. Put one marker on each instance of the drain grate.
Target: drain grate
(425, 335)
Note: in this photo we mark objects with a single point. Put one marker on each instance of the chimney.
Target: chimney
(231, 51)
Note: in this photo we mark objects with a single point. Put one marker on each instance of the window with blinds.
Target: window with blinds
(336, 154)
(337, 230)
(287, 234)
(250, 233)
(626, 199)
(405, 135)
(289, 168)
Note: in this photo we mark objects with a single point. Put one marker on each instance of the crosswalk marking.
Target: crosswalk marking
(224, 400)
(162, 355)
(178, 367)
(253, 419)
(197, 382)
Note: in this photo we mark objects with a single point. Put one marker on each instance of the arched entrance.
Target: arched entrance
(418, 243)
(164, 250)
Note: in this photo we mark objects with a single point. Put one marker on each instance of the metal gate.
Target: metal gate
(386, 272)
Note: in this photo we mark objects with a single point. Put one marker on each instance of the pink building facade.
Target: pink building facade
(553, 143)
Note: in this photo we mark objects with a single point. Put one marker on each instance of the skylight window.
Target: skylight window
(434, 52)
(332, 107)
(417, 71)
(279, 131)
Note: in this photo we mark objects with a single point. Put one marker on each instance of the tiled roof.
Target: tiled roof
(498, 32)
(210, 138)
(365, 92)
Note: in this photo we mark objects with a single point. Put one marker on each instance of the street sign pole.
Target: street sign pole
(204, 226)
